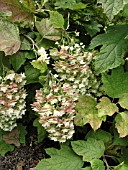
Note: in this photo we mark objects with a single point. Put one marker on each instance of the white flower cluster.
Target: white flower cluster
(73, 66)
(12, 99)
(56, 110)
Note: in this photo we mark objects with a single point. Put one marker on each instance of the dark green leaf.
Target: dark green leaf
(23, 133)
(17, 60)
(41, 131)
(32, 74)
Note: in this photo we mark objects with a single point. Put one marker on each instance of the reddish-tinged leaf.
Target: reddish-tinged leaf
(12, 138)
(9, 38)
(19, 12)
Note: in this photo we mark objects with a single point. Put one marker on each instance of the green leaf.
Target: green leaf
(119, 141)
(29, 55)
(56, 19)
(121, 166)
(29, 4)
(87, 168)
(72, 4)
(97, 164)
(19, 12)
(123, 101)
(114, 45)
(116, 84)
(62, 159)
(112, 7)
(40, 130)
(4, 148)
(17, 60)
(122, 123)
(100, 135)
(9, 38)
(23, 133)
(106, 107)
(47, 30)
(87, 112)
(42, 66)
(90, 149)
(93, 28)
(32, 74)
(25, 44)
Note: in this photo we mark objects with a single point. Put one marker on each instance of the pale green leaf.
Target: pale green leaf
(40, 130)
(114, 45)
(121, 166)
(97, 164)
(122, 123)
(47, 30)
(112, 7)
(87, 112)
(17, 60)
(100, 135)
(57, 19)
(106, 107)
(62, 159)
(123, 101)
(9, 38)
(40, 65)
(87, 168)
(19, 12)
(90, 149)
(116, 84)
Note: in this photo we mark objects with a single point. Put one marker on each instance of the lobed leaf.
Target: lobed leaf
(106, 107)
(123, 101)
(114, 45)
(115, 86)
(97, 164)
(56, 19)
(112, 7)
(90, 149)
(61, 159)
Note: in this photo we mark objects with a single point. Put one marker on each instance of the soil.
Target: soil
(27, 156)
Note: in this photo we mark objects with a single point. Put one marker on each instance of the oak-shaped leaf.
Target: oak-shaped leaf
(116, 84)
(40, 130)
(47, 30)
(121, 120)
(9, 38)
(61, 159)
(123, 101)
(112, 7)
(19, 11)
(12, 137)
(87, 112)
(114, 45)
(106, 107)
(97, 164)
(90, 149)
